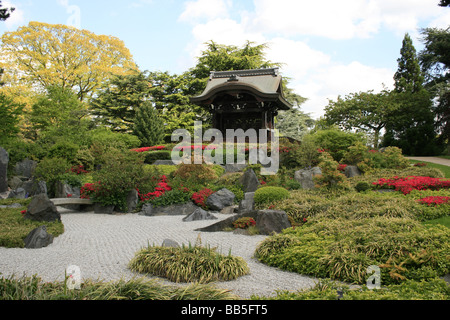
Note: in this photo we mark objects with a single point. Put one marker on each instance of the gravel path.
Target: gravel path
(102, 245)
(437, 160)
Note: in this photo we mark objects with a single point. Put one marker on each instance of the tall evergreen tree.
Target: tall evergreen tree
(148, 126)
(409, 76)
(412, 128)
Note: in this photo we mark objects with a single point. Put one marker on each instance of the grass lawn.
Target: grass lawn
(14, 228)
(444, 169)
(445, 221)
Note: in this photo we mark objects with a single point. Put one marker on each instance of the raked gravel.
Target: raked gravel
(102, 245)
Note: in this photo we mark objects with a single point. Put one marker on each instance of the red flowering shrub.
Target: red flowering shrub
(341, 167)
(78, 169)
(434, 200)
(87, 191)
(145, 149)
(160, 189)
(244, 223)
(200, 197)
(407, 184)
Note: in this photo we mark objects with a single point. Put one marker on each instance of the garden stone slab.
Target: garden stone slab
(173, 210)
(267, 221)
(19, 193)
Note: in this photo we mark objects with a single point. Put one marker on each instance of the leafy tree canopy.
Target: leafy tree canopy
(43, 55)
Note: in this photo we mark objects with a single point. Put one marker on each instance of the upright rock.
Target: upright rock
(132, 200)
(4, 159)
(306, 177)
(249, 180)
(38, 238)
(352, 171)
(25, 168)
(42, 209)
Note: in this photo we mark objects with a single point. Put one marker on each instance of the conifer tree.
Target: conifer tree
(412, 129)
(148, 126)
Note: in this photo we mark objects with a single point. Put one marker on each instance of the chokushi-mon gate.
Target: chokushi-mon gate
(243, 99)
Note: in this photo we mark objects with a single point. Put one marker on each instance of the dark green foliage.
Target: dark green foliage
(412, 127)
(171, 197)
(335, 141)
(116, 103)
(121, 171)
(9, 118)
(148, 126)
(152, 156)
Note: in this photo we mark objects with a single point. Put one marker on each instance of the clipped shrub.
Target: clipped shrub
(270, 194)
(106, 137)
(363, 186)
(188, 264)
(335, 141)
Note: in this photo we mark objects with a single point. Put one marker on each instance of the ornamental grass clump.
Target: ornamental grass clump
(188, 264)
(342, 249)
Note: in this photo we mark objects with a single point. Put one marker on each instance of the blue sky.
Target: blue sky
(329, 47)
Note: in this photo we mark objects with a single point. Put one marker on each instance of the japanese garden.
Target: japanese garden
(87, 154)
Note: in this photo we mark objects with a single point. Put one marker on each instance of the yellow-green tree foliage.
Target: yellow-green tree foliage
(43, 55)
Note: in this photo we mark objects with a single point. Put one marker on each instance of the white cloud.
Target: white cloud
(17, 17)
(298, 58)
(208, 9)
(330, 81)
(345, 19)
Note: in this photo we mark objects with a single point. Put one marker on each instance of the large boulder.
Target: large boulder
(249, 181)
(4, 159)
(199, 214)
(18, 193)
(42, 209)
(306, 177)
(352, 171)
(25, 168)
(269, 221)
(34, 187)
(38, 238)
(220, 199)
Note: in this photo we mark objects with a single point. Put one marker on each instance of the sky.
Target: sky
(328, 48)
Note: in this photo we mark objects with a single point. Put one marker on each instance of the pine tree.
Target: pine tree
(148, 126)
